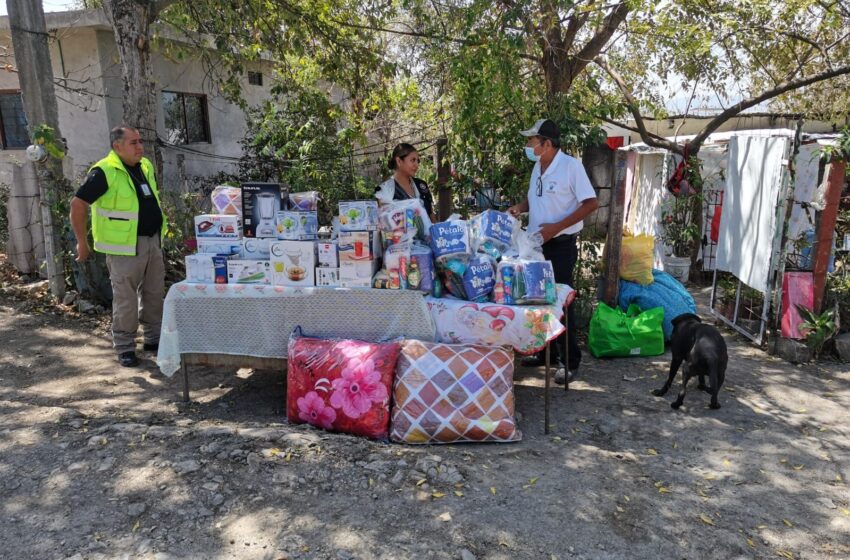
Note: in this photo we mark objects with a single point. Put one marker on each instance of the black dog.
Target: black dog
(703, 350)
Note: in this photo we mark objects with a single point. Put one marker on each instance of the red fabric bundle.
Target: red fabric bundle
(341, 385)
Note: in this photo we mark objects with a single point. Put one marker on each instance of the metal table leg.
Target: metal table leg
(546, 392)
(566, 363)
(185, 369)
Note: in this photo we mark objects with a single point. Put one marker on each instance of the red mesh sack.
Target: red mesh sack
(341, 385)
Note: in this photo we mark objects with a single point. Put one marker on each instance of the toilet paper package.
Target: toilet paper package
(479, 278)
(493, 233)
(450, 239)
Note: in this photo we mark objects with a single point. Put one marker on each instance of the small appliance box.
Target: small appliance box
(355, 283)
(260, 205)
(293, 263)
(328, 254)
(241, 271)
(255, 248)
(362, 271)
(219, 247)
(217, 226)
(200, 268)
(297, 226)
(355, 246)
(358, 215)
(220, 267)
(327, 277)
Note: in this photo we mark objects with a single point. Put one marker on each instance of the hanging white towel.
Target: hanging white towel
(748, 223)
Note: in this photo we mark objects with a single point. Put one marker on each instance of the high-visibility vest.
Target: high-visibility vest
(115, 215)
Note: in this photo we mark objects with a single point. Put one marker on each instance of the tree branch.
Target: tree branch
(595, 45)
(715, 123)
(634, 108)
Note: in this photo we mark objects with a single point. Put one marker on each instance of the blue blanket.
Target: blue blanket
(664, 292)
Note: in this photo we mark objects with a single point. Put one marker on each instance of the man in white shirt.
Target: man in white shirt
(559, 197)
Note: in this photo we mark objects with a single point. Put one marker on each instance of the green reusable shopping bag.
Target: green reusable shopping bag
(633, 333)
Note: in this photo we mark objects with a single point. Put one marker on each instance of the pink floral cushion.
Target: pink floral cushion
(341, 385)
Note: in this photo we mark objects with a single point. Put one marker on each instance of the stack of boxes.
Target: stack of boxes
(280, 244)
(219, 239)
(359, 243)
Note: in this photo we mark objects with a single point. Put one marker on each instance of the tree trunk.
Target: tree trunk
(35, 72)
(131, 21)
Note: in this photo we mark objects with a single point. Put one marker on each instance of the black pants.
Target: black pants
(563, 252)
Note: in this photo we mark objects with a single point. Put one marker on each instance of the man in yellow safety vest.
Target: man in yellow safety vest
(128, 226)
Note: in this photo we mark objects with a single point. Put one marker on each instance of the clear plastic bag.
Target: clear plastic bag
(227, 200)
(307, 201)
(525, 276)
(493, 233)
(404, 220)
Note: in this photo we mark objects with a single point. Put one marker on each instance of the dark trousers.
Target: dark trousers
(563, 252)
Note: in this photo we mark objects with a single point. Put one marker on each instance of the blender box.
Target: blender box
(217, 226)
(297, 225)
(358, 215)
(327, 277)
(360, 283)
(357, 246)
(260, 205)
(293, 263)
(219, 247)
(240, 271)
(363, 270)
(255, 248)
(328, 254)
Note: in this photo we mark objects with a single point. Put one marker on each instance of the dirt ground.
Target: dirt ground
(98, 461)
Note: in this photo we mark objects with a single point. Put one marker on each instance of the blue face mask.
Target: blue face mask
(529, 153)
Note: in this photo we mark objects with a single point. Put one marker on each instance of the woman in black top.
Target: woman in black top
(404, 163)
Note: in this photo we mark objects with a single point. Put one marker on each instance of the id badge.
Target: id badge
(146, 190)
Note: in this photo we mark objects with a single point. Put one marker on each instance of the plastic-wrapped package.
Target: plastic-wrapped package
(227, 200)
(492, 233)
(479, 278)
(525, 276)
(397, 264)
(450, 240)
(404, 220)
(474, 399)
(304, 201)
(450, 273)
(340, 385)
(421, 275)
(637, 253)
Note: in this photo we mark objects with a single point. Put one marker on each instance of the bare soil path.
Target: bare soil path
(98, 461)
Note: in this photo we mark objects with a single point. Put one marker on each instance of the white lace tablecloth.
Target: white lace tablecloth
(256, 320)
(527, 328)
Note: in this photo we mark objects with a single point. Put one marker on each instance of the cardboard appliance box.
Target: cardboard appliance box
(293, 263)
(241, 271)
(217, 226)
(260, 205)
